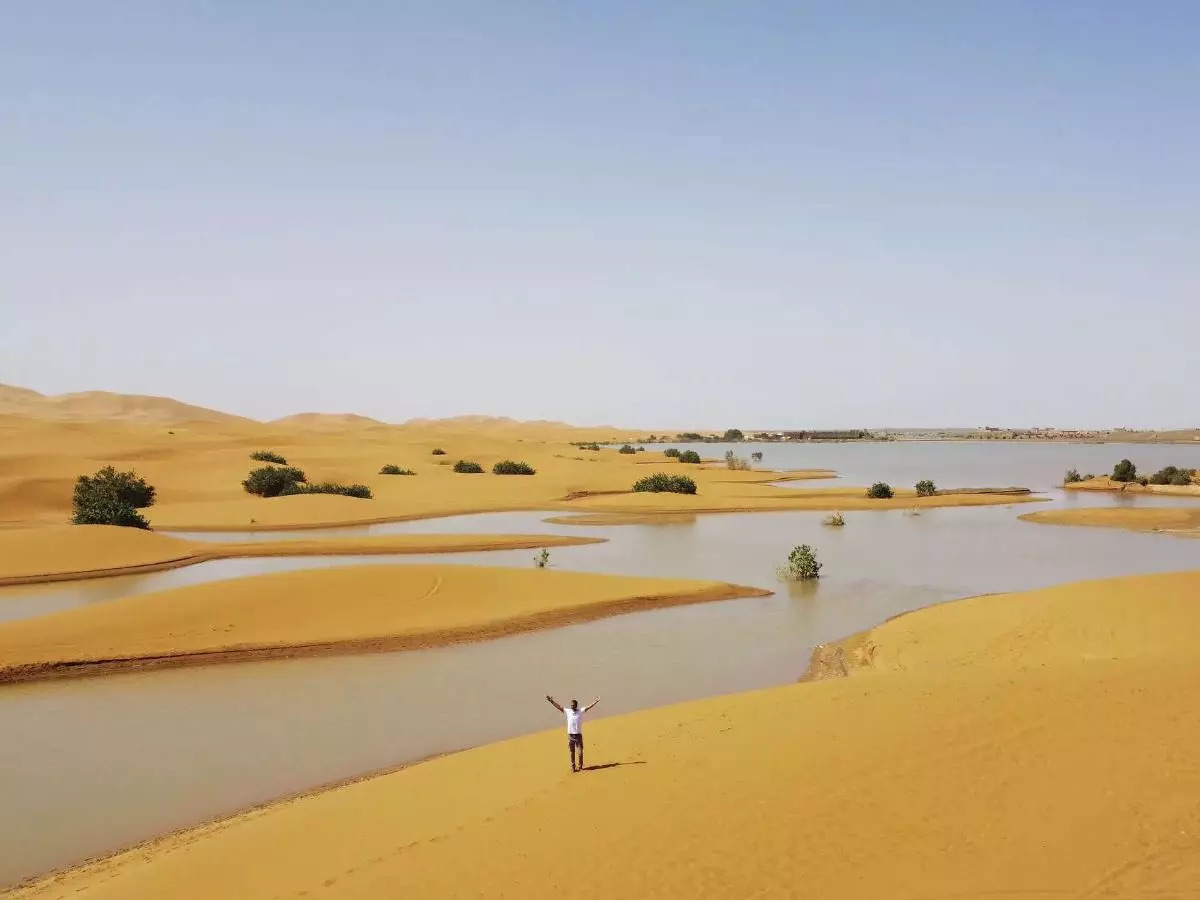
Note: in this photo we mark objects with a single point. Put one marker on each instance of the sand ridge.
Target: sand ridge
(332, 610)
(67, 553)
(1180, 521)
(1035, 745)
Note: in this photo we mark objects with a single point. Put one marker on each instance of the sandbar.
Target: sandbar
(1036, 745)
(323, 611)
(68, 553)
(1180, 521)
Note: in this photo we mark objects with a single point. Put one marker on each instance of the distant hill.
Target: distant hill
(91, 406)
(324, 420)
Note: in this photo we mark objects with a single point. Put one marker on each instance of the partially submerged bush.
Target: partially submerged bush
(1072, 477)
(542, 560)
(360, 491)
(660, 483)
(508, 467)
(627, 448)
(672, 452)
(689, 456)
(1124, 471)
(756, 456)
(466, 467)
(837, 520)
(880, 490)
(393, 469)
(271, 481)
(736, 463)
(438, 451)
(268, 456)
(111, 498)
(926, 488)
(802, 565)
(1173, 475)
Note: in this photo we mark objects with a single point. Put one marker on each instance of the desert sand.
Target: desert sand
(1104, 483)
(68, 552)
(333, 610)
(1182, 521)
(1037, 745)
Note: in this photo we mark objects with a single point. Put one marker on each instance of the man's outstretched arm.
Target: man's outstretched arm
(554, 703)
(590, 705)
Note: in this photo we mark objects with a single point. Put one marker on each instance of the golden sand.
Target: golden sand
(67, 552)
(198, 468)
(334, 610)
(1132, 487)
(1036, 745)
(1183, 521)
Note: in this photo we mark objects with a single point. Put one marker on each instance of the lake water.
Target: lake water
(95, 764)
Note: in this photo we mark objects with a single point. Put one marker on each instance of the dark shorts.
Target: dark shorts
(575, 740)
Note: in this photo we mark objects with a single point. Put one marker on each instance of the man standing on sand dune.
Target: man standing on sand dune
(574, 731)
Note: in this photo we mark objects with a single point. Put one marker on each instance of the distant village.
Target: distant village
(985, 433)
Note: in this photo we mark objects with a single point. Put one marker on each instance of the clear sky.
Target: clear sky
(761, 214)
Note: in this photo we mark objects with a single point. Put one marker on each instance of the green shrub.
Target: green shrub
(270, 481)
(802, 565)
(360, 491)
(438, 451)
(1124, 471)
(466, 467)
(1172, 475)
(393, 469)
(660, 483)
(1072, 477)
(268, 456)
(689, 456)
(111, 498)
(732, 435)
(880, 490)
(736, 463)
(508, 467)
(926, 488)
(671, 452)
(627, 448)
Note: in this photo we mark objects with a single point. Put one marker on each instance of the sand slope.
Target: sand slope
(1034, 745)
(1183, 521)
(67, 552)
(351, 608)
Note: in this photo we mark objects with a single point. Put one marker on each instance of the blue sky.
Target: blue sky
(662, 214)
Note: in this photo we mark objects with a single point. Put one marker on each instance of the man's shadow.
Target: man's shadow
(613, 765)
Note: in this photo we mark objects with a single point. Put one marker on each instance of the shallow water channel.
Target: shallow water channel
(91, 765)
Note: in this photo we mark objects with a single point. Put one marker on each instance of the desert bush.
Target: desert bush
(542, 560)
(466, 467)
(360, 491)
(671, 452)
(268, 456)
(732, 435)
(438, 451)
(1172, 475)
(756, 456)
(270, 481)
(627, 448)
(111, 498)
(926, 488)
(508, 467)
(837, 520)
(1124, 471)
(736, 463)
(393, 469)
(880, 490)
(1072, 477)
(689, 456)
(802, 565)
(660, 482)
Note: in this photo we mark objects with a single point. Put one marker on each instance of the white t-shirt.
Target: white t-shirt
(573, 717)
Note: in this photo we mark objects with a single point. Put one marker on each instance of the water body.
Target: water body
(92, 765)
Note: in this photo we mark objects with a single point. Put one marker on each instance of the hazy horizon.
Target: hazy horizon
(765, 216)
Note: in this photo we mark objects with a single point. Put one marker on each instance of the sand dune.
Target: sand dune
(1183, 521)
(350, 608)
(105, 405)
(325, 420)
(64, 553)
(1031, 745)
